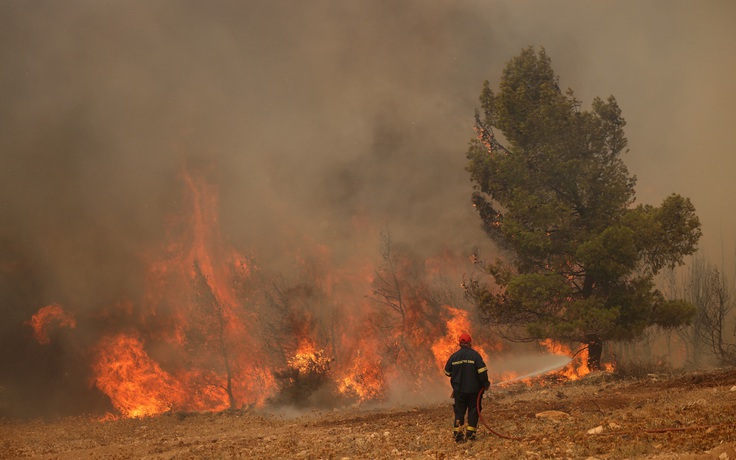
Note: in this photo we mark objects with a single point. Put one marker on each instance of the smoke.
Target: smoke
(310, 118)
(525, 366)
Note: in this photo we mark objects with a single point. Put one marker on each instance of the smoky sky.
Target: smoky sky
(311, 116)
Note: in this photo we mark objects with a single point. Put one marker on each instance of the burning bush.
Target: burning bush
(305, 373)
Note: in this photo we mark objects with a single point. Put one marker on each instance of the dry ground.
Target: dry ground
(694, 415)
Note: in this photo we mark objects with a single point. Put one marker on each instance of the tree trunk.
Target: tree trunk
(595, 350)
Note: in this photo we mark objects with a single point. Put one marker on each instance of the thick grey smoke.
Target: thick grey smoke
(310, 116)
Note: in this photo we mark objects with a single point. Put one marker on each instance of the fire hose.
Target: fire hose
(480, 395)
(482, 420)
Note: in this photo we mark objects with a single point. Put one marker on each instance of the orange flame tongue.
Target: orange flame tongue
(577, 368)
(447, 345)
(192, 309)
(136, 385)
(364, 377)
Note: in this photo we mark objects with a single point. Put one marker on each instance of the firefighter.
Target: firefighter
(468, 375)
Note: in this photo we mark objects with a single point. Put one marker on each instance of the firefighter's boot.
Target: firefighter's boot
(457, 431)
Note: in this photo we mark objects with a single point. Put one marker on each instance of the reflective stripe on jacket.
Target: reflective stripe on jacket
(467, 371)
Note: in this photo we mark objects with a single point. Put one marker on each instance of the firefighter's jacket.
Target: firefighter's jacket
(467, 371)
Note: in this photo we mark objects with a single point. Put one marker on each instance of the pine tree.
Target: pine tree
(578, 259)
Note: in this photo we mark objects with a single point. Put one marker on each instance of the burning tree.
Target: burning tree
(215, 314)
(185, 347)
(305, 373)
(293, 330)
(557, 199)
(409, 309)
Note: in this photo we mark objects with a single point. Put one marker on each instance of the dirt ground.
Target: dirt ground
(684, 416)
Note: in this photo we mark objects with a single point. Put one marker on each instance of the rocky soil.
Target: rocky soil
(603, 416)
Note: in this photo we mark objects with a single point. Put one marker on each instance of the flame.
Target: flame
(46, 316)
(136, 385)
(193, 312)
(458, 324)
(308, 359)
(364, 378)
(204, 339)
(577, 368)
